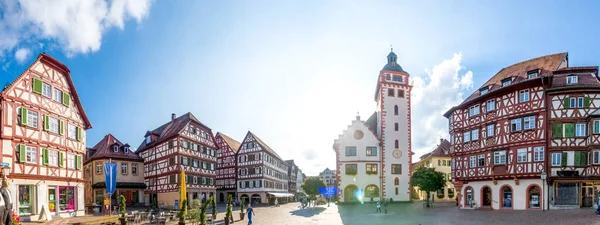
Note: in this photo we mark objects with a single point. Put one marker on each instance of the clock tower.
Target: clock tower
(394, 129)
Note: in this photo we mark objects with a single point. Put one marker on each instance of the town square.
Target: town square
(295, 112)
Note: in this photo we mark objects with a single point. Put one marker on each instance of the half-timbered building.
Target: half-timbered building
(226, 166)
(129, 177)
(43, 140)
(373, 157)
(498, 136)
(262, 175)
(183, 143)
(292, 176)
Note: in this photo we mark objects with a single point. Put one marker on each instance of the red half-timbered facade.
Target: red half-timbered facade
(226, 166)
(184, 143)
(498, 137)
(43, 140)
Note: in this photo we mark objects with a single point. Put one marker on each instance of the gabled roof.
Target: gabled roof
(171, 129)
(374, 132)
(371, 123)
(49, 60)
(264, 145)
(587, 77)
(103, 150)
(443, 149)
(233, 144)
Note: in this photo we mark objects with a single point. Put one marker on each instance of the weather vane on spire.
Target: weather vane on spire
(391, 48)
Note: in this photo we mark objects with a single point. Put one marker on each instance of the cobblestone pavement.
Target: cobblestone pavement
(405, 213)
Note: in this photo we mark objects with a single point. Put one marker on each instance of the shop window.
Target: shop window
(66, 198)
(507, 197)
(440, 193)
(450, 192)
(25, 199)
(566, 193)
(534, 197)
(469, 196)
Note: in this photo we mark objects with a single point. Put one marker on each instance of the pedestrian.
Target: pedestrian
(385, 206)
(276, 203)
(598, 206)
(378, 207)
(250, 213)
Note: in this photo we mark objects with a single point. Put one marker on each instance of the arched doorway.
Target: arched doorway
(245, 198)
(486, 196)
(506, 197)
(256, 199)
(469, 196)
(350, 193)
(534, 198)
(371, 191)
(221, 197)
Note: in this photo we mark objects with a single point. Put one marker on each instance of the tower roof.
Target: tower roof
(392, 64)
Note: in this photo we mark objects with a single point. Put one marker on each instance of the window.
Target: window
(529, 122)
(32, 119)
(396, 144)
(522, 155)
(596, 126)
(395, 126)
(499, 157)
(481, 160)
(474, 110)
(30, 154)
(596, 157)
(58, 95)
(483, 91)
(523, 95)
(250, 145)
(395, 110)
(134, 169)
(571, 79)
(73, 132)
(467, 136)
(475, 134)
(400, 93)
(350, 151)
(572, 102)
(371, 151)
(388, 76)
(396, 181)
(490, 130)
(532, 75)
(490, 105)
(473, 161)
(53, 159)
(371, 169)
(452, 164)
(123, 168)
(350, 169)
(506, 82)
(439, 162)
(396, 168)
(25, 199)
(538, 154)
(71, 161)
(440, 193)
(580, 102)
(391, 92)
(115, 148)
(126, 149)
(580, 129)
(46, 90)
(397, 78)
(507, 197)
(534, 197)
(53, 124)
(556, 159)
(452, 139)
(515, 125)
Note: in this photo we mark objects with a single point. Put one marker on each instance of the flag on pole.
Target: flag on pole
(110, 177)
(182, 190)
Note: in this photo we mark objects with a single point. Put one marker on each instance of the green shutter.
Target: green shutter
(61, 159)
(66, 99)
(563, 159)
(61, 127)
(557, 130)
(566, 102)
(78, 134)
(577, 159)
(37, 86)
(22, 155)
(44, 156)
(584, 158)
(586, 102)
(46, 122)
(23, 116)
(78, 165)
(569, 130)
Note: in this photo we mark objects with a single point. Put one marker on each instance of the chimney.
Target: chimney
(441, 140)
(172, 116)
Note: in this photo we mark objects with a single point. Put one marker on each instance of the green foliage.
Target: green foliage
(183, 211)
(155, 203)
(229, 214)
(122, 206)
(196, 203)
(203, 212)
(213, 205)
(321, 201)
(242, 206)
(312, 185)
(428, 180)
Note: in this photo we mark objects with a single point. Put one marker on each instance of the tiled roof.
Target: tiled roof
(443, 149)
(233, 144)
(371, 123)
(103, 150)
(586, 77)
(170, 129)
(264, 145)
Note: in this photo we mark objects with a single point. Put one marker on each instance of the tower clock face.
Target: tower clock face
(397, 153)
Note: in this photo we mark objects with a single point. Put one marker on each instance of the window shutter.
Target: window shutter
(46, 122)
(23, 116)
(66, 99)
(61, 159)
(569, 130)
(22, 155)
(563, 159)
(37, 86)
(577, 159)
(557, 130)
(61, 127)
(584, 158)
(44, 156)
(586, 102)
(78, 134)
(78, 166)
(567, 102)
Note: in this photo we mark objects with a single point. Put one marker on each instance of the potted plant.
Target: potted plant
(228, 213)
(182, 212)
(203, 213)
(242, 210)
(213, 205)
(123, 210)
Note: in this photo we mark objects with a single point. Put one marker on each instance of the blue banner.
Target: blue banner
(328, 192)
(110, 177)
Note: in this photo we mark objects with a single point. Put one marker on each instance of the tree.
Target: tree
(312, 185)
(428, 180)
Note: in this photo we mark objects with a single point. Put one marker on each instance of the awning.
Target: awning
(280, 194)
(120, 185)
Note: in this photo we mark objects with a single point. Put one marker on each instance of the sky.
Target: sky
(295, 73)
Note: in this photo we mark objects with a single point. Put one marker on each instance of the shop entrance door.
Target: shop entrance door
(587, 195)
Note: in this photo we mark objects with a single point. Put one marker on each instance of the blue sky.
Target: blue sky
(293, 72)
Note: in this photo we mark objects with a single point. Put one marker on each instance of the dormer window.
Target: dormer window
(532, 74)
(126, 149)
(572, 79)
(194, 131)
(148, 139)
(484, 90)
(506, 82)
(115, 148)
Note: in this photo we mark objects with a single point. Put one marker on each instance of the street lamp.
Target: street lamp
(6, 170)
(544, 176)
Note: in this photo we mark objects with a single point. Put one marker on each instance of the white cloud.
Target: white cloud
(432, 96)
(75, 25)
(22, 54)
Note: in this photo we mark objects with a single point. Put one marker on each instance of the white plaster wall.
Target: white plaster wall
(361, 181)
(519, 192)
(39, 193)
(390, 136)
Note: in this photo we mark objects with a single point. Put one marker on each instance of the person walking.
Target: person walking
(378, 207)
(385, 206)
(276, 202)
(250, 212)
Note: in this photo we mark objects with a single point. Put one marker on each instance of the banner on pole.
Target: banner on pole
(110, 177)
